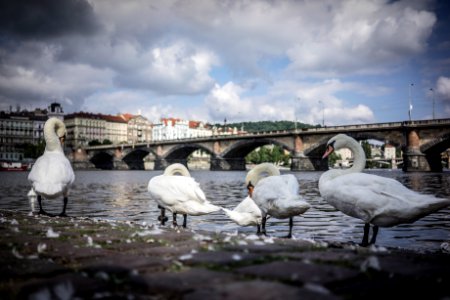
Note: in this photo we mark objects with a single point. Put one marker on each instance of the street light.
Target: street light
(323, 113)
(295, 116)
(410, 101)
(432, 93)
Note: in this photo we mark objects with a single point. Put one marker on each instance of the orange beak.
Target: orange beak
(329, 150)
(250, 190)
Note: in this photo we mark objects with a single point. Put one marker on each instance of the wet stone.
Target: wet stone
(217, 258)
(177, 283)
(258, 290)
(295, 271)
(122, 260)
(129, 262)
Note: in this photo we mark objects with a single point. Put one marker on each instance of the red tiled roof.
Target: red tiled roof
(85, 115)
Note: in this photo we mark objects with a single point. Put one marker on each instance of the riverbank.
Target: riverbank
(89, 258)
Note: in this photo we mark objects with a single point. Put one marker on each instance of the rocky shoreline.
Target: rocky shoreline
(65, 258)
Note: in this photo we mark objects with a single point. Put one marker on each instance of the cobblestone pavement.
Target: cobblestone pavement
(66, 258)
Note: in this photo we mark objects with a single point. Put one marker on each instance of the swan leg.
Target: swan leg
(162, 217)
(258, 229)
(374, 234)
(365, 240)
(41, 210)
(263, 224)
(291, 224)
(63, 213)
(174, 222)
(184, 220)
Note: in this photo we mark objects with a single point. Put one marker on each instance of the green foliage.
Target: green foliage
(94, 143)
(368, 151)
(107, 142)
(33, 151)
(273, 154)
(267, 125)
(333, 157)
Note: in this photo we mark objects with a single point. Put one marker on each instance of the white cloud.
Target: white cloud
(361, 37)
(443, 88)
(313, 102)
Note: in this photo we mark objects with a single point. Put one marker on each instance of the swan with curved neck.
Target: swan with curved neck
(378, 201)
(179, 194)
(52, 175)
(276, 195)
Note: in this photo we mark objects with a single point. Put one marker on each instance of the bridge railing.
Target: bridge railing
(339, 128)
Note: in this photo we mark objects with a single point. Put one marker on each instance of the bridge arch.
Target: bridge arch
(433, 150)
(242, 148)
(233, 157)
(134, 158)
(180, 154)
(103, 160)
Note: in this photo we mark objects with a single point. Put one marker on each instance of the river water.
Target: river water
(123, 195)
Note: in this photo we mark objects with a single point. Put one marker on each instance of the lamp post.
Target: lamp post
(295, 116)
(432, 94)
(410, 101)
(323, 113)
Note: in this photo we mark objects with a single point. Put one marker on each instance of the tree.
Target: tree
(333, 157)
(94, 143)
(274, 154)
(368, 151)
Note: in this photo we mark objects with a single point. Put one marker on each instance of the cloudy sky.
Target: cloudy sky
(345, 61)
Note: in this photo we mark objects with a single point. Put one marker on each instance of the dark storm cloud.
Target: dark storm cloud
(42, 19)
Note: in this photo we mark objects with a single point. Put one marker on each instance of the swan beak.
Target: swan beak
(329, 150)
(250, 188)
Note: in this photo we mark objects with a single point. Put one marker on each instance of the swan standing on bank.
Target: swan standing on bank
(276, 195)
(179, 194)
(374, 199)
(52, 175)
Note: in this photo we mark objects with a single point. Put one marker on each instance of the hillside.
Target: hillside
(267, 125)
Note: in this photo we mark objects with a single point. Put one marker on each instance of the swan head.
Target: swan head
(335, 143)
(260, 171)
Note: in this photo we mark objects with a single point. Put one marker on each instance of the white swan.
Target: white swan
(246, 213)
(179, 194)
(374, 199)
(276, 195)
(52, 175)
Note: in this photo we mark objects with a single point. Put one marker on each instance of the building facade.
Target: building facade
(83, 128)
(139, 130)
(173, 129)
(20, 128)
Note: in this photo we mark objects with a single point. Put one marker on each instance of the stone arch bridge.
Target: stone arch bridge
(422, 143)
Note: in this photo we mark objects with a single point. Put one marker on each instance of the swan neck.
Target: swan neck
(359, 157)
(175, 169)
(53, 129)
(260, 171)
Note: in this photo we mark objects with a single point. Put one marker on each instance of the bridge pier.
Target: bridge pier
(414, 160)
(230, 164)
(119, 164)
(80, 161)
(308, 163)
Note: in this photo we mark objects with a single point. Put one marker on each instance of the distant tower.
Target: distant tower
(55, 110)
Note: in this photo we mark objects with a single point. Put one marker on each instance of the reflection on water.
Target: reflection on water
(122, 195)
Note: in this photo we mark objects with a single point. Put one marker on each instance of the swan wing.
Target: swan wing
(378, 200)
(278, 196)
(175, 189)
(52, 174)
(248, 206)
